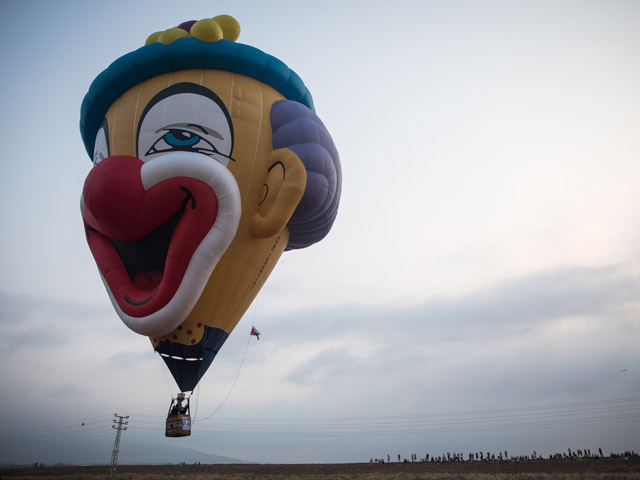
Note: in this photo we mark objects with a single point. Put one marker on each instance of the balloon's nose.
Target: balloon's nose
(113, 194)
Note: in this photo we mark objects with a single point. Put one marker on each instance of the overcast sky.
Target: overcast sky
(480, 289)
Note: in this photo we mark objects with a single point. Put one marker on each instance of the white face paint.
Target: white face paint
(185, 122)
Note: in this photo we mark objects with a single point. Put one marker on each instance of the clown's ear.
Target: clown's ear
(283, 189)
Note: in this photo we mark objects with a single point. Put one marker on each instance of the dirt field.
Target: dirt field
(557, 469)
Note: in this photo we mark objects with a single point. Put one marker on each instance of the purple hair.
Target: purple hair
(298, 128)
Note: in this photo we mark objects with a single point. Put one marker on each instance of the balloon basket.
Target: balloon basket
(178, 426)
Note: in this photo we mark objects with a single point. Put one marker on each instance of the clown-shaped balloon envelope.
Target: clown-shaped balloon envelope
(209, 163)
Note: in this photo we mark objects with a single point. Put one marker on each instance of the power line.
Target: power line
(548, 416)
(448, 414)
(575, 414)
(55, 425)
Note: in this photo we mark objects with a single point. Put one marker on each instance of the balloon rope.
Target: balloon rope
(237, 374)
(197, 390)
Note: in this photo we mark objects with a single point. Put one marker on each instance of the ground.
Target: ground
(553, 469)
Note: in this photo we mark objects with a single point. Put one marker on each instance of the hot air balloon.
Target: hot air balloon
(209, 162)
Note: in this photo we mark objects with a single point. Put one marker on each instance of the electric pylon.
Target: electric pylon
(120, 422)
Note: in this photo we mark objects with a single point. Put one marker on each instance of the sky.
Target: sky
(480, 289)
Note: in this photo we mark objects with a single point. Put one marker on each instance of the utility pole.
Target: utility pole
(120, 422)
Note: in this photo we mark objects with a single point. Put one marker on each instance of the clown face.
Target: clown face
(184, 166)
(202, 177)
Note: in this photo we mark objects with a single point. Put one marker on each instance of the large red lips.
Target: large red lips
(143, 239)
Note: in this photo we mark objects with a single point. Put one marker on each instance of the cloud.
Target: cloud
(40, 322)
(64, 351)
(513, 307)
(547, 335)
(127, 358)
(556, 337)
(327, 363)
(548, 338)
(67, 391)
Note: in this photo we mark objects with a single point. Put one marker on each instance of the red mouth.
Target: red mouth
(143, 239)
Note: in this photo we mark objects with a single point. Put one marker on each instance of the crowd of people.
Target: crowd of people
(488, 456)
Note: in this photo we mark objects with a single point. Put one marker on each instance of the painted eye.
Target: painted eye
(177, 139)
(185, 118)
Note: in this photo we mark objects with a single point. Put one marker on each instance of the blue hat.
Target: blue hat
(187, 52)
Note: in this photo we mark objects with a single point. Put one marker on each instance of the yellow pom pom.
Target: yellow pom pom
(206, 30)
(172, 35)
(152, 38)
(230, 27)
